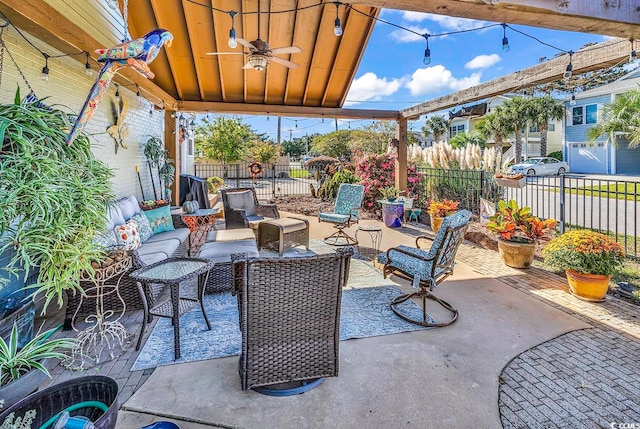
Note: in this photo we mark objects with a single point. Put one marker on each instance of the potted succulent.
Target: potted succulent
(518, 231)
(589, 259)
(389, 193)
(438, 210)
(22, 370)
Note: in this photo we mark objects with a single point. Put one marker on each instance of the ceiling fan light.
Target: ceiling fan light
(258, 61)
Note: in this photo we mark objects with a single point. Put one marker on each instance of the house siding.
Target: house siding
(67, 87)
(578, 133)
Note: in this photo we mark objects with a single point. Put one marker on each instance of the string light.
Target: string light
(337, 28)
(569, 71)
(233, 42)
(427, 52)
(138, 93)
(505, 41)
(117, 91)
(573, 100)
(632, 55)
(87, 67)
(45, 69)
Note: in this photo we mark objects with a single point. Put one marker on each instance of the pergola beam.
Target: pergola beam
(275, 110)
(613, 18)
(594, 57)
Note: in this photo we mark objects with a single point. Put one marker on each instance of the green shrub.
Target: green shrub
(557, 155)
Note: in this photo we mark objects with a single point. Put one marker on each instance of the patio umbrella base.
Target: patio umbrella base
(289, 389)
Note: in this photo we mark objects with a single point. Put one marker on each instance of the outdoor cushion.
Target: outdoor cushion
(231, 235)
(179, 233)
(143, 226)
(114, 217)
(153, 258)
(411, 265)
(221, 251)
(129, 207)
(166, 246)
(243, 201)
(106, 240)
(349, 197)
(160, 219)
(127, 235)
(333, 217)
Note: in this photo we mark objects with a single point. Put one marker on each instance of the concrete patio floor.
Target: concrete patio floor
(523, 354)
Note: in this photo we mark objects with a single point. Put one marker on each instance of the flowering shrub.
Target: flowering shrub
(513, 223)
(442, 208)
(584, 251)
(377, 172)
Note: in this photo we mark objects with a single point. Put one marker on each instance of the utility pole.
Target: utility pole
(279, 131)
(336, 124)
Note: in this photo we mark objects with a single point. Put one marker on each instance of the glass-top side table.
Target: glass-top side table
(375, 234)
(199, 223)
(172, 272)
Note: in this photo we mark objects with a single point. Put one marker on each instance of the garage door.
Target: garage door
(627, 160)
(588, 158)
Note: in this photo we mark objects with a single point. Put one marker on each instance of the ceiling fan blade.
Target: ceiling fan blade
(285, 63)
(287, 50)
(248, 66)
(245, 43)
(224, 53)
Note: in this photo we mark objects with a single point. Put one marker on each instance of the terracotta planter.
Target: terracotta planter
(588, 287)
(436, 221)
(516, 255)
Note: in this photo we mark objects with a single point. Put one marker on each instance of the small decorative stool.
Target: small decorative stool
(375, 234)
(412, 214)
(283, 234)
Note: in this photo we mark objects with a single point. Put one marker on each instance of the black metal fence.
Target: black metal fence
(607, 205)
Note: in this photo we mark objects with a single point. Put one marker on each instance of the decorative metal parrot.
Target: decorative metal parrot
(137, 53)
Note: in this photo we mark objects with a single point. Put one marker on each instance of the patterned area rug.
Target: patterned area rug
(365, 313)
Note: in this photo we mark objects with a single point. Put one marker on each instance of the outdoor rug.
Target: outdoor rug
(365, 313)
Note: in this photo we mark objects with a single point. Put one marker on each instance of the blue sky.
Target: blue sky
(392, 75)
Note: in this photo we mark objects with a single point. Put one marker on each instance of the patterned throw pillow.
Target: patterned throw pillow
(160, 219)
(143, 226)
(127, 235)
(106, 240)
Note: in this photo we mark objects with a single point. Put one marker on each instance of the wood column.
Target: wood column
(401, 160)
(172, 145)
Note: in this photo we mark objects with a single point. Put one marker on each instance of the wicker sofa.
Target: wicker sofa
(158, 247)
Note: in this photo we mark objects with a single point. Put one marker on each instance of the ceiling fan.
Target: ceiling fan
(260, 54)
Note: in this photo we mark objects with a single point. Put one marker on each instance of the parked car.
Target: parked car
(540, 166)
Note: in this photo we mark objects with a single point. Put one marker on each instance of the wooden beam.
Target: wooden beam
(300, 111)
(401, 160)
(594, 57)
(172, 145)
(47, 24)
(614, 18)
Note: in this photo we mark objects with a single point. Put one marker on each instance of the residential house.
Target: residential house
(601, 156)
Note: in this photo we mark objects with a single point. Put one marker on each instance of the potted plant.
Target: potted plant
(438, 210)
(213, 184)
(53, 198)
(518, 231)
(589, 259)
(22, 370)
(389, 193)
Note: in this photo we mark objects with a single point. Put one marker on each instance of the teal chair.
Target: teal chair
(346, 211)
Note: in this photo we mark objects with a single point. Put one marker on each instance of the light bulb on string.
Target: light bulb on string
(427, 52)
(138, 94)
(233, 42)
(337, 26)
(117, 92)
(569, 70)
(505, 40)
(45, 69)
(87, 67)
(573, 100)
(633, 56)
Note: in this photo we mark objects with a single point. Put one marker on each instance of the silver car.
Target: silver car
(540, 166)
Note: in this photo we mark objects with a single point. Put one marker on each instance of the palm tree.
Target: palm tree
(496, 125)
(543, 110)
(437, 125)
(622, 115)
(517, 110)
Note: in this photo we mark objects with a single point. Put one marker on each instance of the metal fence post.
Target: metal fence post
(562, 202)
(237, 175)
(195, 169)
(273, 180)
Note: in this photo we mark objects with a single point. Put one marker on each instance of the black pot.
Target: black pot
(54, 399)
(24, 385)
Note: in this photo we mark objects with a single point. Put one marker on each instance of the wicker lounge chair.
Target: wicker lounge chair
(290, 320)
(242, 209)
(345, 212)
(427, 268)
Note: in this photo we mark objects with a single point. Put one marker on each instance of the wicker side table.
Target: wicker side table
(283, 234)
(199, 223)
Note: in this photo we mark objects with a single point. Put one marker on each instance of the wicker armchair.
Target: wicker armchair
(241, 206)
(290, 320)
(427, 268)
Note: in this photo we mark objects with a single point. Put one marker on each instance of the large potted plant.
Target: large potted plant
(438, 210)
(22, 370)
(53, 198)
(518, 231)
(589, 259)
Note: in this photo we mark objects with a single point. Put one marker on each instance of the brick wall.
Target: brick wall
(68, 86)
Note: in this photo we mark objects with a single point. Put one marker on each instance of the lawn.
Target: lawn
(298, 173)
(620, 191)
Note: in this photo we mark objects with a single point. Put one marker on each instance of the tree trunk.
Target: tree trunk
(518, 145)
(498, 144)
(543, 140)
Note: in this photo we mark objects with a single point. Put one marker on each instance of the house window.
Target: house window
(576, 114)
(534, 128)
(585, 114)
(456, 129)
(552, 127)
(592, 114)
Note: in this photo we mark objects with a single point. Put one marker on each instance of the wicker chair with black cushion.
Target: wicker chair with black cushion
(242, 208)
(427, 268)
(290, 320)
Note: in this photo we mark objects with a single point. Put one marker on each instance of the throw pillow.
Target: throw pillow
(243, 201)
(160, 219)
(106, 240)
(143, 226)
(127, 235)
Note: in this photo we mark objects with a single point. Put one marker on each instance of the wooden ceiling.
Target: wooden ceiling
(327, 63)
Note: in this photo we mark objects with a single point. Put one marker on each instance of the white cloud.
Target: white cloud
(446, 22)
(483, 61)
(404, 36)
(370, 87)
(415, 16)
(437, 79)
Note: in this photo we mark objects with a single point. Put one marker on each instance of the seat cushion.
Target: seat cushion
(333, 217)
(179, 233)
(409, 264)
(168, 247)
(220, 252)
(231, 235)
(152, 258)
(242, 200)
